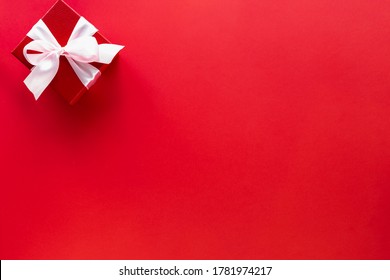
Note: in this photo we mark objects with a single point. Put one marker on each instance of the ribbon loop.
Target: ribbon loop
(82, 48)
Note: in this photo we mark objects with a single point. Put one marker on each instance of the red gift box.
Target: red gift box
(61, 19)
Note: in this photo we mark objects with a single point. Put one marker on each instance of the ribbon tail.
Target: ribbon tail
(87, 73)
(107, 52)
(42, 74)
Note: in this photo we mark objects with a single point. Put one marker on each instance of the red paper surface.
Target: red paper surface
(225, 130)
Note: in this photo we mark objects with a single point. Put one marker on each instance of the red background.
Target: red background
(229, 129)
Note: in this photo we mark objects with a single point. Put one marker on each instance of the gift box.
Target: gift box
(62, 21)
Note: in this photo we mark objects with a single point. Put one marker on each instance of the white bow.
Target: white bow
(81, 49)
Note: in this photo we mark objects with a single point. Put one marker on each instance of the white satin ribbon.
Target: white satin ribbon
(81, 49)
